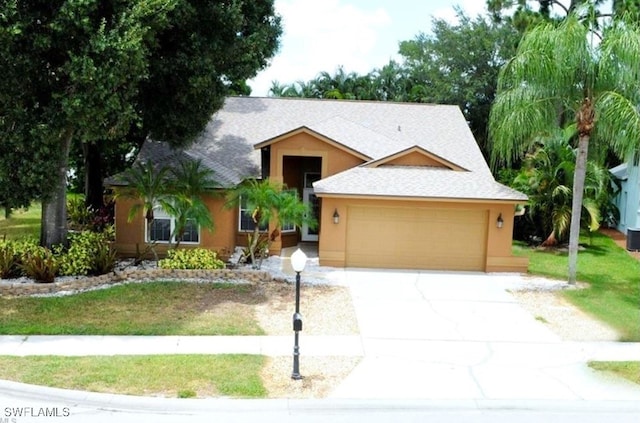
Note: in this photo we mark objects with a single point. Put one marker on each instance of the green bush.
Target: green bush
(89, 253)
(9, 260)
(197, 258)
(12, 254)
(105, 259)
(40, 265)
(78, 213)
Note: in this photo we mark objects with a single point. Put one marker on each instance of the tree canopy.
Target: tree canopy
(524, 14)
(98, 72)
(561, 75)
(458, 63)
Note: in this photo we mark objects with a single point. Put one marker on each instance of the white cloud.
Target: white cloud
(360, 35)
(472, 8)
(320, 35)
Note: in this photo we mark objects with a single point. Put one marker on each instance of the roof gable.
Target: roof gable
(415, 156)
(315, 134)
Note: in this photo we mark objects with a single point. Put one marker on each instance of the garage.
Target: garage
(416, 238)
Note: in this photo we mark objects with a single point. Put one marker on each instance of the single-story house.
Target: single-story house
(393, 185)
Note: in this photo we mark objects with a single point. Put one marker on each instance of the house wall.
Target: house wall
(628, 201)
(414, 159)
(333, 237)
(334, 159)
(130, 235)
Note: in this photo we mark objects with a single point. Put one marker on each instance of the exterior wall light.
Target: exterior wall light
(499, 221)
(336, 217)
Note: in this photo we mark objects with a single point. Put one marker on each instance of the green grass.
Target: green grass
(613, 295)
(157, 375)
(629, 370)
(22, 223)
(159, 308)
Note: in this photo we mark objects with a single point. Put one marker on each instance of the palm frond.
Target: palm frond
(618, 123)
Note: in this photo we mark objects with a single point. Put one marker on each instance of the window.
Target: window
(246, 221)
(160, 230)
(191, 232)
(163, 226)
(289, 226)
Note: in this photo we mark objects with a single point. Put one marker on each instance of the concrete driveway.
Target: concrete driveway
(432, 335)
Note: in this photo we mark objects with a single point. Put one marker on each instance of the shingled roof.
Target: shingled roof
(375, 129)
(230, 143)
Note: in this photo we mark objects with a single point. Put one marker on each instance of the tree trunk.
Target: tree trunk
(93, 188)
(576, 205)
(54, 208)
(551, 240)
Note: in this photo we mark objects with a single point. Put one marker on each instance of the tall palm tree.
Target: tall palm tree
(563, 72)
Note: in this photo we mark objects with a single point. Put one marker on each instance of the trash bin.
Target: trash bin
(633, 239)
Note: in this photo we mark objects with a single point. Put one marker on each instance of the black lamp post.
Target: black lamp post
(298, 262)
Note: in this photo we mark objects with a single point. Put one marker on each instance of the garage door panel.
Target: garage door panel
(421, 238)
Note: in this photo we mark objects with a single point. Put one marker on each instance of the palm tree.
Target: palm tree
(268, 201)
(189, 181)
(147, 184)
(563, 72)
(547, 178)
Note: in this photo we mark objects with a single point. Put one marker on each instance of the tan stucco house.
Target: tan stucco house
(394, 185)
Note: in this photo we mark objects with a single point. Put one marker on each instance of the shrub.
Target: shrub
(197, 258)
(40, 265)
(11, 256)
(78, 213)
(83, 218)
(105, 259)
(9, 260)
(88, 253)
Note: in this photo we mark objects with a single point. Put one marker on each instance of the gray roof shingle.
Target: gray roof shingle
(373, 129)
(376, 129)
(412, 182)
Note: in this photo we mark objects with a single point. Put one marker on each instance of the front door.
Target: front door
(308, 197)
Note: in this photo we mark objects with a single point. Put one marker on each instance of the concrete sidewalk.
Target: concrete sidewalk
(315, 346)
(154, 345)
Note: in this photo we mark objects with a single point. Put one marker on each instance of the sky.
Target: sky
(359, 35)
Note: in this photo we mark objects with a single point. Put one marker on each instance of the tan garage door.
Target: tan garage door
(416, 238)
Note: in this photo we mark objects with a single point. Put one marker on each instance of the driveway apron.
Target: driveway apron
(439, 335)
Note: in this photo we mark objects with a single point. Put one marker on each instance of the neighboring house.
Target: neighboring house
(628, 198)
(394, 185)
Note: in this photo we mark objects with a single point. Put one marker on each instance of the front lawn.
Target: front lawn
(159, 308)
(23, 223)
(153, 375)
(613, 295)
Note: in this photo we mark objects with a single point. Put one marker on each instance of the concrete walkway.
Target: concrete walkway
(152, 345)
